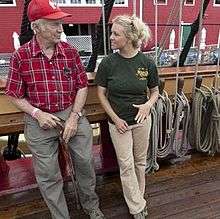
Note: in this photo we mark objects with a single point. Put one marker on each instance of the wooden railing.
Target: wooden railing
(11, 119)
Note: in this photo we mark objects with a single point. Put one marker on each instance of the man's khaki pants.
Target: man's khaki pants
(131, 150)
(44, 148)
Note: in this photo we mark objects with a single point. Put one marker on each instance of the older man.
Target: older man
(48, 82)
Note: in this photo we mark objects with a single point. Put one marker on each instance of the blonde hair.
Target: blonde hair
(134, 29)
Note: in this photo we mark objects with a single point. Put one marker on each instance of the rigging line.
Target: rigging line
(155, 31)
(179, 49)
(199, 40)
(103, 24)
(217, 66)
(171, 19)
(170, 23)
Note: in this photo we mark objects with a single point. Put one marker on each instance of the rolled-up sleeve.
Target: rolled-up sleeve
(153, 78)
(15, 85)
(82, 80)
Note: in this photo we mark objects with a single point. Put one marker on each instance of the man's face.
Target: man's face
(50, 30)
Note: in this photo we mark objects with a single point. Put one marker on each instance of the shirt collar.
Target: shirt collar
(35, 46)
(59, 50)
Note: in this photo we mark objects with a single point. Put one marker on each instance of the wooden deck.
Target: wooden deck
(188, 190)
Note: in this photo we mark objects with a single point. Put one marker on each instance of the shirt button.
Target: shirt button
(56, 105)
(50, 63)
(55, 91)
(53, 77)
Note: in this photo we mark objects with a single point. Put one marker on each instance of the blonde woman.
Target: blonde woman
(124, 80)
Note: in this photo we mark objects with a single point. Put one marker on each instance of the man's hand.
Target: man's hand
(46, 120)
(70, 127)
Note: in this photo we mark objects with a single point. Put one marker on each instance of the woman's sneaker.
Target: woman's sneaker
(142, 215)
(145, 211)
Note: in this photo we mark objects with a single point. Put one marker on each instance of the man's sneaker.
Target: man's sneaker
(139, 215)
(96, 214)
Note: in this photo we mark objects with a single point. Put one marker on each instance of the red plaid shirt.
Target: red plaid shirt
(48, 84)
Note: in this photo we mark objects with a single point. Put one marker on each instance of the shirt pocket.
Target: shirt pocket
(68, 78)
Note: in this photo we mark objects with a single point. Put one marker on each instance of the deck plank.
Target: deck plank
(188, 190)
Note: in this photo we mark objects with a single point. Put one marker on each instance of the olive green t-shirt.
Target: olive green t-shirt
(126, 81)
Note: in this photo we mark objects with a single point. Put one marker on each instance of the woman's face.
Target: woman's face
(118, 38)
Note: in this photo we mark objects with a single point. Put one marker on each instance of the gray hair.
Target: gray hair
(38, 23)
(135, 30)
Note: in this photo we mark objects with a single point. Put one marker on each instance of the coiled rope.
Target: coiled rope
(215, 124)
(163, 108)
(179, 142)
(200, 131)
(152, 164)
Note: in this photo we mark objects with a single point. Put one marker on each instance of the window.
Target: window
(189, 2)
(88, 2)
(118, 2)
(216, 3)
(7, 3)
(160, 2)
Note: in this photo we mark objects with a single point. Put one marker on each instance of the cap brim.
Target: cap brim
(57, 15)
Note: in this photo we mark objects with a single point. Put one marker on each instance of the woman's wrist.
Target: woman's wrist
(148, 104)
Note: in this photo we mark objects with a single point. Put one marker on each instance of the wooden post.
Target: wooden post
(4, 168)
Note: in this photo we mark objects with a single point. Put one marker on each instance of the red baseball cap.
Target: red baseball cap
(45, 9)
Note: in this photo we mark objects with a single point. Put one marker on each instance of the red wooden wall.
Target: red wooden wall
(10, 19)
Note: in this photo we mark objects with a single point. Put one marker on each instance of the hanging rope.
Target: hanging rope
(173, 15)
(216, 121)
(200, 132)
(152, 164)
(204, 123)
(204, 127)
(179, 141)
(216, 98)
(181, 106)
(164, 124)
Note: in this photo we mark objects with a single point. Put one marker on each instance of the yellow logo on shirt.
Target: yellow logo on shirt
(142, 73)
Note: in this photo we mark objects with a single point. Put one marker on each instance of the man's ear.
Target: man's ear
(36, 28)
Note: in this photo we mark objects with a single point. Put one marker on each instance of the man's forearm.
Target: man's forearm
(80, 100)
(22, 104)
(78, 105)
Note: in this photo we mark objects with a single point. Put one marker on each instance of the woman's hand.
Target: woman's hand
(143, 112)
(121, 125)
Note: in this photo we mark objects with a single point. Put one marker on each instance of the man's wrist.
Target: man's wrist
(34, 112)
(76, 114)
